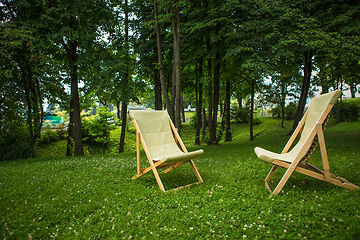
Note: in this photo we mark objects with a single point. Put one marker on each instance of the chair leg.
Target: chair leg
(156, 174)
(323, 152)
(269, 176)
(138, 153)
(196, 171)
(284, 179)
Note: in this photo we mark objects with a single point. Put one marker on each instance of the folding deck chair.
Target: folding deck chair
(160, 139)
(311, 129)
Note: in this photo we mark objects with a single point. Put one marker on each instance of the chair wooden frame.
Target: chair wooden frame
(301, 164)
(157, 164)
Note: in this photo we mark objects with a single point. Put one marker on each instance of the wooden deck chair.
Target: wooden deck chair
(160, 140)
(311, 129)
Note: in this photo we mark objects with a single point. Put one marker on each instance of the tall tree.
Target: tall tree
(228, 135)
(75, 26)
(24, 59)
(126, 80)
(175, 10)
(169, 107)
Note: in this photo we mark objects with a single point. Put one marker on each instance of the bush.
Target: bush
(290, 111)
(14, 144)
(348, 112)
(193, 120)
(276, 111)
(241, 115)
(48, 135)
(96, 131)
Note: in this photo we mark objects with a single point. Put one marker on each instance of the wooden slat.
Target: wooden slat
(174, 166)
(295, 133)
(270, 174)
(138, 152)
(175, 189)
(323, 152)
(195, 171)
(146, 170)
(177, 136)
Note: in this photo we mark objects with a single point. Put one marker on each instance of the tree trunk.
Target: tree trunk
(239, 100)
(216, 92)
(198, 97)
(323, 77)
(173, 91)
(182, 110)
(75, 105)
(162, 79)
(252, 110)
(76, 108)
(126, 80)
(123, 126)
(70, 142)
(352, 90)
(210, 109)
(228, 136)
(222, 124)
(157, 86)
(176, 48)
(30, 110)
(282, 104)
(72, 57)
(304, 90)
(34, 102)
(216, 84)
(118, 114)
(203, 125)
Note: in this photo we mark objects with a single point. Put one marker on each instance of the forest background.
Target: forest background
(72, 54)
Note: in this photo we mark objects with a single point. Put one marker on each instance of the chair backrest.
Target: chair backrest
(314, 112)
(156, 132)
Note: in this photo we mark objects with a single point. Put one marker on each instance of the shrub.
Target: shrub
(290, 111)
(276, 111)
(241, 115)
(348, 112)
(193, 120)
(96, 131)
(48, 135)
(14, 143)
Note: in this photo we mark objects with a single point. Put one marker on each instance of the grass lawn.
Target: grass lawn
(95, 197)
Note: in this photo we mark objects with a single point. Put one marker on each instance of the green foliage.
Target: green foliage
(130, 139)
(240, 115)
(348, 112)
(276, 111)
(14, 143)
(96, 131)
(290, 111)
(49, 135)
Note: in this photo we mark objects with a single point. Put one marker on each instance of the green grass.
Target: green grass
(353, 100)
(95, 197)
